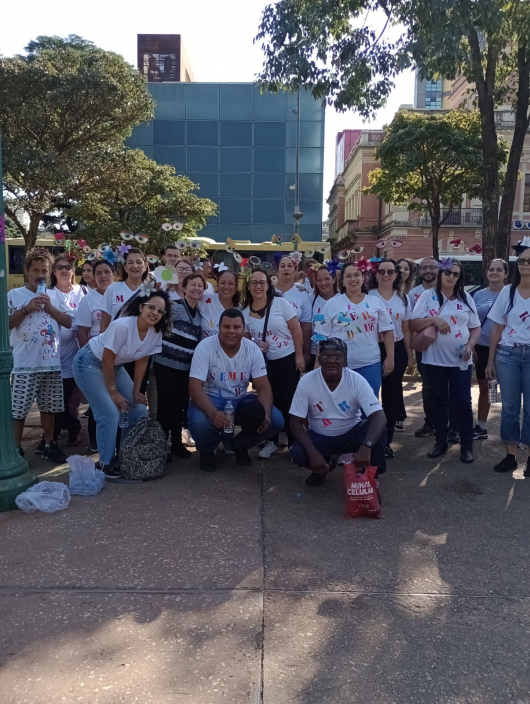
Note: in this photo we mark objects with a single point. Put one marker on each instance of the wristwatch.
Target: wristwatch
(368, 443)
(111, 388)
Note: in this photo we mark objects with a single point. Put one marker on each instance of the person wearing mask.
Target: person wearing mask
(325, 289)
(509, 358)
(386, 285)
(332, 399)
(213, 305)
(87, 276)
(452, 313)
(63, 281)
(358, 320)
(35, 321)
(134, 272)
(100, 374)
(281, 343)
(87, 322)
(172, 364)
(298, 299)
(221, 370)
(484, 299)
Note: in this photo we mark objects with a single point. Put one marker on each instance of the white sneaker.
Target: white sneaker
(346, 458)
(187, 439)
(226, 448)
(269, 449)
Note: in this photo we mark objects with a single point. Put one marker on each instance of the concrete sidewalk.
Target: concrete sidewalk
(246, 586)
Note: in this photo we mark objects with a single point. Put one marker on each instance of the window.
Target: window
(208, 183)
(143, 134)
(526, 201)
(174, 156)
(234, 159)
(268, 185)
(311, 110)
(236, 232)
(202, 101)
(310, 161)
(233, 211)
(433, 95)
(269, 134)
(266, 211)
(236, 186)
(269, 106)
(263, 233)
(203, 159)
(168, 132)
(203, 132)
(236, 134)
(269, 160)
(170, 101)
(236, 102)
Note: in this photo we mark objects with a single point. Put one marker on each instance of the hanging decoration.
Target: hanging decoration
(362, 264)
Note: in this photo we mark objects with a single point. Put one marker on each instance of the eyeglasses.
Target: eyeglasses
(187, 270)
(154, 309)
(523, 262)
(325, 358)
(431, 267)
(260, 284)
(454, 274)
(63, 267)
(386, 272)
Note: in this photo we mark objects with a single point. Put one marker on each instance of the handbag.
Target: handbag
(425, 338)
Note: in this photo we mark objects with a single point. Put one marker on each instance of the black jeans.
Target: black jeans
(173, 398)
(351, 441)
(428, 402)
(283, 377)
(392, 388)
(454, 383)
(68, 419)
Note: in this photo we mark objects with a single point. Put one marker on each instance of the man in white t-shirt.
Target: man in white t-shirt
(221, 370)
(35, 322)
(332, 398)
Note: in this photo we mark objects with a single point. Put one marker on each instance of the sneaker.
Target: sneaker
(480, 433)
(180, 450)
(54, 453)
(453, 437)
(269, 450)
(507, 464)
(226, 448)
(425, 431)
(74, 438)
(21, 451)
(399, 425)
(187, 439)
(207, 462)
(111, 471)
(315, 479)
(242, 456)
(40, 447)
(389, 452)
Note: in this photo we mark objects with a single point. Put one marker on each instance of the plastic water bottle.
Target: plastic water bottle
(493, 391)
(124, 419)
(461, 354)
(229, 413)
(41, 287)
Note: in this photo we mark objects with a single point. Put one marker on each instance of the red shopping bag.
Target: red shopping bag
(361, 492)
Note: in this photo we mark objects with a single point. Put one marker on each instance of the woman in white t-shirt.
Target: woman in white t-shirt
(358, 320)
(448, 360)
(213, 305)
(386, 285)
(135, 270)
(100, 374)
(281, 344)
(509, 356)
(325, 289)
(63, 281)
(299, 300)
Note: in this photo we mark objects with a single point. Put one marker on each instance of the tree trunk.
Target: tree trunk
(434, 207)
(435, 229)
(512, 171)
(31, 235)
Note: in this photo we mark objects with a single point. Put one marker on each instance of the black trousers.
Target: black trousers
(392, 388)
(283, 377)
(173, 399)
(68, 420)
(455, 384)
(428, 399)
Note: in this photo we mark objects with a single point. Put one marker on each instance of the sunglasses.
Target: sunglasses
(386, 272)
(154, 309)
(523, 262)
(454, 274)
(63, 267)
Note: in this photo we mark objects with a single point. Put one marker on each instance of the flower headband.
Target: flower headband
(446, 264)
(146, 289)
(521, 245)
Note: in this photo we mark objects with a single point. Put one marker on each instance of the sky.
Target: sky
(217, 34)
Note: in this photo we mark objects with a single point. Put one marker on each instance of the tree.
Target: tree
(430, 161)
(67, 106)
(144, 196)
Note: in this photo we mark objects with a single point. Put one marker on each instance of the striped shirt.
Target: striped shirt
(179, 344)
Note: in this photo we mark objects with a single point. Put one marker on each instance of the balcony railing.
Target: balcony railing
(463, 217)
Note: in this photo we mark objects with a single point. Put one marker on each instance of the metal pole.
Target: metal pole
(297, 214)
(15, 476)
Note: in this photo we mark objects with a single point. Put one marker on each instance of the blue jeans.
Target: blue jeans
(88, 374)
(373, 375)
(454, 383)
(513, 372)
(207, 436)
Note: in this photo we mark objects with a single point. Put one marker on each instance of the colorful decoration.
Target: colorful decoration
(309, 253)
(357, 249)
(296, 257)
(221, 267)
(237, 257)
(374, 263)
(332, 265)
(344, 254)
(59, 236)
(446, 264)
(124, 248)
(317, 337)
(521, 245)
(146, 289)
(381, 244)
(396, 243)
(477, 248)
(363, 264)
(165, 274)
(277, 258)
(255, 261)
(456, 244)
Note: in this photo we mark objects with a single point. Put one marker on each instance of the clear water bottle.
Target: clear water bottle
(41, 287)
(461, 354)
(229, 413)
(124, 419)
(493, 391)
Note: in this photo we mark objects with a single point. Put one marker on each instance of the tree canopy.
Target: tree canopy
(430, 161)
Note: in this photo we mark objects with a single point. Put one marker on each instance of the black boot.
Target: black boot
(439, 449)
(466, 455)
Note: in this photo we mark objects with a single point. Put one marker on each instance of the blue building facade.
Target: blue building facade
(239, 147)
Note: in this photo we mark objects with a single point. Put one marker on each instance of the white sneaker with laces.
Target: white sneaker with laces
(187, 439)
(269, 449)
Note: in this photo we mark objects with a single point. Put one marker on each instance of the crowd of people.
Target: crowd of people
(315, 356)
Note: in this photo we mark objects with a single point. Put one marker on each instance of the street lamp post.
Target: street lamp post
(15, 476)
(297, 215)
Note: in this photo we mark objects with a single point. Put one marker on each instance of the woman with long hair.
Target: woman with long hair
(325, 289)
(509, 358)
(281, 343)
(358, 320)
(213, 305)
(101, 376)
(87, 276)
(63, 281)
(448, 359)
(134, 272)
(407, 270)
(386, 285)
(173, 363)
(299, 300)
(484, 299)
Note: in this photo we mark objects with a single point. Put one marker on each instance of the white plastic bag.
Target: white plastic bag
(47, 497)
(85, 479)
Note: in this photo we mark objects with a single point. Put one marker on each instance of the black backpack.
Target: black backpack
(143, 452)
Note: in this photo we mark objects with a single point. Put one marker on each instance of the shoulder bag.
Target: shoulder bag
(426, 337)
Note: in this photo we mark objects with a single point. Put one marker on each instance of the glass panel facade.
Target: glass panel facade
(433, 95)
(239, 147)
